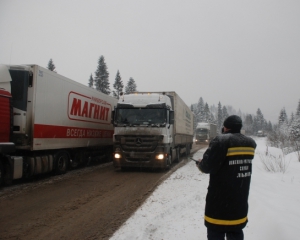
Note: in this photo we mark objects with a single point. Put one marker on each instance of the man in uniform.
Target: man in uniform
(228, 160)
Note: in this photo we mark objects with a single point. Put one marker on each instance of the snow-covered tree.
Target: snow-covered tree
(212, 119)
(269, 127)
(51, 65)
(248, 124)
(294, 128)
(206, 114)
(91, 81)
(282, 119)
(283, 122)
(220, 119)
(200, 110)
(292, 118)
(259, 120)
(131, 86)
(214, 110)
(101, 77)
(118, 85)
(298, 110)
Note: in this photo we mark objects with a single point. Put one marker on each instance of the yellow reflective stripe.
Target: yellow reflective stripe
(225, 222)
(240, 151)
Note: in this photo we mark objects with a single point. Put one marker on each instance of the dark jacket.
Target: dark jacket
(228, 160)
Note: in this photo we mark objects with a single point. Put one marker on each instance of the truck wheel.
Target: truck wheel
(177, 155)
(168, 162)
(187, 150)
(61, 162)
(75, 162)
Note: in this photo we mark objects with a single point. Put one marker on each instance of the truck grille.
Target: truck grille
(137, 157)
(142, 143)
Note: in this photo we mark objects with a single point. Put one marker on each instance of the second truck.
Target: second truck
(205, 132)
(152, 129)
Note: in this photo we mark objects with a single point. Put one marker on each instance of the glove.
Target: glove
(198, 164)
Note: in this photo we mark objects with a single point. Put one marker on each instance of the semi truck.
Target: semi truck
(49, 122)
(152, 129)
(205, 132)
(261, 133)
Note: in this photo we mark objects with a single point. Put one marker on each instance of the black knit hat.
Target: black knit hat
(234, 123)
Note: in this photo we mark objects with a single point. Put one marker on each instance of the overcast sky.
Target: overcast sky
(242, 53)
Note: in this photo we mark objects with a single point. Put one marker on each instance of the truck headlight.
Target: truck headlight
(160, 156)
(117, 155)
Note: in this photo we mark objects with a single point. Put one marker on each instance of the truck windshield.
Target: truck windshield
(201, 131)
(140, 116)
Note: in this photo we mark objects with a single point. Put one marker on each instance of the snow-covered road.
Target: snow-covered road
(175, 209)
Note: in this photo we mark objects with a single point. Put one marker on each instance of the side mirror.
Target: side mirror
(171, 115)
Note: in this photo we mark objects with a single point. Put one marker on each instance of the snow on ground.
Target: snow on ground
(175, 210)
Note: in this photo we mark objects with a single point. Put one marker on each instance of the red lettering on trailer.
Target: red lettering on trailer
(85, 109)
(51, 131)
(76, 107)
(96, 112)
(81, 108)
(92, 105)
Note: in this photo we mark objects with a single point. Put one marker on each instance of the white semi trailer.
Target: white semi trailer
(49, 122)
(152, 129)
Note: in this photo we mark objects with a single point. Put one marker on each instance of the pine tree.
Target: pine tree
(282, 119)
(101, 77)
(51, 65)
(270, 127)
(200, 110)
(131, 86)
(294, 128)
(220, 119)
(207, 115)
(260, 121)
(292, 118)
(298, 110)
(91, 81)
(212, 119)
(118, 85)
(248, 124)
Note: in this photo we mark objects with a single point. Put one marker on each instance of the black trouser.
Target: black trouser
(214, 235)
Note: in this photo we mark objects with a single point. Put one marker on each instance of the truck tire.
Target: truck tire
(168, 162)
(77, 159)
(187, 150)
(61, 162)
(7, 174)
(177, 158)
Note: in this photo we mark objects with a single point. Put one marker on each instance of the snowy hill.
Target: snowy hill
(175, 210)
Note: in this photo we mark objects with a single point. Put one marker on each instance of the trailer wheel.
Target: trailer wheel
(75, 162)
(61, 162)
